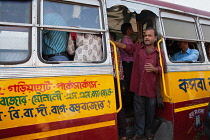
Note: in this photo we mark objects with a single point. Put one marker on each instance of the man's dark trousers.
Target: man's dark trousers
(144, 108)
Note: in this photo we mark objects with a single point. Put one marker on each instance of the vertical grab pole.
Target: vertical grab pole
(117, 76)
(162, 75)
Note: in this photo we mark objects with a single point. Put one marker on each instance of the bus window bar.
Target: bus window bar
(117, 76)
(64, 28)
(162, 75)
(89, 2)
(15, 24)
(180, 38)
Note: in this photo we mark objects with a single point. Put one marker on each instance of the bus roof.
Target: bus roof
(166, 5)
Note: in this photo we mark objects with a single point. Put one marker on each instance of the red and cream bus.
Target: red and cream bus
(75, 99)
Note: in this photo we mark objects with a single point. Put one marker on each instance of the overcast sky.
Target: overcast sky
(198, 4)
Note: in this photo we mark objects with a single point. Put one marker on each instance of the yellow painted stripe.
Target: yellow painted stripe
(62, 131)
(189, 107)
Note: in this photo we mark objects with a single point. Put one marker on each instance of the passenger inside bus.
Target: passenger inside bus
(127, 62)
(186, 54)
(88, 47)
(54, 42)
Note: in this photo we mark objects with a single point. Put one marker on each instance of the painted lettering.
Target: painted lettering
(42, 109)
(192, 84)
(14, 113)
(40, 98)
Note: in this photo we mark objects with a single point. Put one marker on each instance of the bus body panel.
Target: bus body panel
(74, 103)
(187, 110)
(91, 127)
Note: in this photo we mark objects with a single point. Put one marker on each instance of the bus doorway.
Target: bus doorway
(118, 15)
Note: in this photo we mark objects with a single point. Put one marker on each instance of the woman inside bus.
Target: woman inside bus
(88, 46)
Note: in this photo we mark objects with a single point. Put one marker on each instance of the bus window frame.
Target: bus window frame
(29, 25)
(205, 22)
(68, 29)
(198, 41)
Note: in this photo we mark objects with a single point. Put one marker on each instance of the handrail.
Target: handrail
(117, 76)
(162, 75)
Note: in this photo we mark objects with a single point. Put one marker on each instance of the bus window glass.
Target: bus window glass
(206, 32)
(14, 44)
(15, 11)
(180, 29)
(65, 14)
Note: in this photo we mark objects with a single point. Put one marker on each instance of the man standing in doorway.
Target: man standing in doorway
(146, 67)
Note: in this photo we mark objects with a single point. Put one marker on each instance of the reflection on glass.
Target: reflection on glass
(65, 14)
(13, 44)
(176, 28)
(15, 11)
(206, 31)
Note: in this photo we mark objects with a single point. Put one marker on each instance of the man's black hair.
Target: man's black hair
(151, 28)
(113, 35)
(124, 27)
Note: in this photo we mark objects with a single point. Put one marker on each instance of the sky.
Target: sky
(198, 4)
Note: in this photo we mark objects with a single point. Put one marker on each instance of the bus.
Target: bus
(185, 85)
(74, 97)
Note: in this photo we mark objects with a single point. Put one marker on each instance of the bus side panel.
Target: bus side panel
(91, 127)
(55, 104)
(189, 93)
(189, 123)
(93, 134)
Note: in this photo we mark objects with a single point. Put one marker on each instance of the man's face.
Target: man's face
(149, 37)
(130, 31)
(181, 44)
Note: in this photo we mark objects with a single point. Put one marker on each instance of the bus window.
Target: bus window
(182, 40)
(181, 29)
(206, 36)
(15, 40)
(14, 44)
(183, 51)
(12, 11)
(73, 15)
(60, 43)
(206, 32)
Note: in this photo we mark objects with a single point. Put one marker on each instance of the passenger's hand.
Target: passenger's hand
(150, 68)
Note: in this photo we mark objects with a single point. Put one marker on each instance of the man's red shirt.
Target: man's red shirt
(144, 83)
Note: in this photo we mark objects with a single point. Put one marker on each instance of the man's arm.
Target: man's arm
(120, 45)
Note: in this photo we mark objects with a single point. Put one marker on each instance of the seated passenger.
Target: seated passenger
(54, 42)
(88, 47)
(186, 54)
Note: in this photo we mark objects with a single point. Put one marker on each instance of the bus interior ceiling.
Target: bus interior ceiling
(119, 14)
